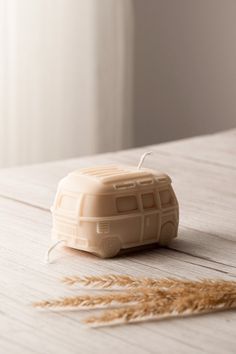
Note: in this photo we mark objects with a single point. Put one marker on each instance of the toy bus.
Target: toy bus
(106, 209)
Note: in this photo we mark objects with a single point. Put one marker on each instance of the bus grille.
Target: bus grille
(103, 227)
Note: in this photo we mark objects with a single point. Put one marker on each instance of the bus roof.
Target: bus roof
(107, 179)
(114, 173)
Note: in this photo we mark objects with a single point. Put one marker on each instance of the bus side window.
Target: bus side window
(166, 198)
(126, 204)
(148, 201)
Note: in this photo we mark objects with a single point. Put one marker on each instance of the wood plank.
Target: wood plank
(25, 278)
(41, 180)
(218, 149)
(203, 173)
(206, 192)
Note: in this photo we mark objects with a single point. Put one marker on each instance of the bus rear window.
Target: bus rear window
(166, 198)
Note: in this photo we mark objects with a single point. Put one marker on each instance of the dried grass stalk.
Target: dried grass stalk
(139, 295)
(94, 301)
(129, 282)
(113, 280)
(148, 298)
(181, 306)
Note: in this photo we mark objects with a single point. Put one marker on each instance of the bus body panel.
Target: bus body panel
(104, 223)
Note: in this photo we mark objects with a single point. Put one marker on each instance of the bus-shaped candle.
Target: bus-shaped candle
(105, 209)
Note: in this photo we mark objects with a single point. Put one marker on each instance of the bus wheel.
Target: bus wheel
(109, 247)
(167, 233)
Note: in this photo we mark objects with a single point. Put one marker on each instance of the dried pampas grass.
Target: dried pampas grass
(146, 298)
(95, 301)
(112, 280)
(162, 308)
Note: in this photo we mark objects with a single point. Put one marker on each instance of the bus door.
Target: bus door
(151, 215)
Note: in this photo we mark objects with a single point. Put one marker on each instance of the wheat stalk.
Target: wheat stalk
(181, 306)
(88, 301)
(113, 280)
(136, 295)
(94, 301)
(147, 298)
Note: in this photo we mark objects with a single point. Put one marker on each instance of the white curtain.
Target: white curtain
(65, 78)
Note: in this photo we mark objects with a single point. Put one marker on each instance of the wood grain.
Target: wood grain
(203, 170)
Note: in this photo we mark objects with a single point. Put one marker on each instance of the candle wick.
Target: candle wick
(50, 249)
(142, 158)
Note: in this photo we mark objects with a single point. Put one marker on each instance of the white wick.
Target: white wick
(50, 249)
(142, 158)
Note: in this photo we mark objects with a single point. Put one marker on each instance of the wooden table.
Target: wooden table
(203, 170)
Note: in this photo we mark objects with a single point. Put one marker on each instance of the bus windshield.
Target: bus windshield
(98, 205)
(68, 203)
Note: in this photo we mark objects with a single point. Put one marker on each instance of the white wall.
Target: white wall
(114, 57)
(48, 88)
(184, 68)
(79, 77)
(64, 78)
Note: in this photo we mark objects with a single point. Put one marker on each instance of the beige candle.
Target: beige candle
(105, 209)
